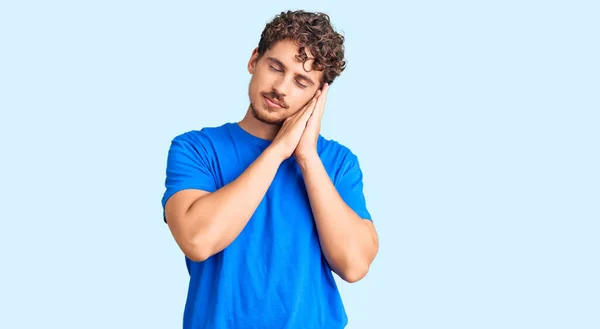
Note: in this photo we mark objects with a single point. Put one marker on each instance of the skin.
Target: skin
(205, 223)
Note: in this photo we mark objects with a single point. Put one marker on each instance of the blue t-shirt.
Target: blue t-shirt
(273, 275)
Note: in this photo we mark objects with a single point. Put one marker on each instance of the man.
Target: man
(266, 208)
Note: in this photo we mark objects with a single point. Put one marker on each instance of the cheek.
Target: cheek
(255, 86)
(259, 82)
(301, 100)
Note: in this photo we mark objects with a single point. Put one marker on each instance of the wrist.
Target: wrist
(307, 160)
(275, 153)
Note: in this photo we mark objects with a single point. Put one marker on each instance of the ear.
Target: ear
(253, 60)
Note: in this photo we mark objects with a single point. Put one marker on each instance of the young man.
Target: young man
(266, 208)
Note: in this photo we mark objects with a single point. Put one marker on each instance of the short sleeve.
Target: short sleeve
(188, 167)
(350, 187)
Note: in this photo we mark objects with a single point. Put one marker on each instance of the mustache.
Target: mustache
(276, 97)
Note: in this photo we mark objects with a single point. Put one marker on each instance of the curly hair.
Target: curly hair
(308, 30)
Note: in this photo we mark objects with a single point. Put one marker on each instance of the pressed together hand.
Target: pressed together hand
(299, 133)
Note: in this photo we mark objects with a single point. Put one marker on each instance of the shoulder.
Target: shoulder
(203, 136)
(342, 164)
(197, 144)
(202, 133)
(335, 150)
(339, 159)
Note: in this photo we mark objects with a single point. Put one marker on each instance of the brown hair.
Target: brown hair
(312, 31)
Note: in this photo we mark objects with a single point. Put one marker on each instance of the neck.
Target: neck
(258, 128)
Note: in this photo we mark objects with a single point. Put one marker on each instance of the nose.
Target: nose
(282, 86)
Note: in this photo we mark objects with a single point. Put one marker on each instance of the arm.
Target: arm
(204, 223)
(349, 242)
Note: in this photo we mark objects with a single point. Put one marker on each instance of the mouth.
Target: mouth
(272, 103)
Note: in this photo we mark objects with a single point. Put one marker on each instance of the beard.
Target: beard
(263, 116)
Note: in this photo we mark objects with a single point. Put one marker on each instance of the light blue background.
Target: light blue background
(476, 123)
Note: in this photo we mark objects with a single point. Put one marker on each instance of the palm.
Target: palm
(308, 141)
(311, 132)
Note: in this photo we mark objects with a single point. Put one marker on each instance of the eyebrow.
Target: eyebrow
(301, 76)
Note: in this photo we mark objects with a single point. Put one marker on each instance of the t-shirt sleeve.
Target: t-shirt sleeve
(350, 187)
(188, 167)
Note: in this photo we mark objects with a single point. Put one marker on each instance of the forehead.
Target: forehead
(289, 54)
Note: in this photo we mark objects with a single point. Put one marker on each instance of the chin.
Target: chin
(267, 116)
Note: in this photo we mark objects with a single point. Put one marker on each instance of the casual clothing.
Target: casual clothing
(273, 275)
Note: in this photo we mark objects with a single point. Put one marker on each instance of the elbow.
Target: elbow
(197, 250)
(354, 273)
(197, 255)
(353, 268)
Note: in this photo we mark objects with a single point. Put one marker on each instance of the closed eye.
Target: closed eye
(300, 84)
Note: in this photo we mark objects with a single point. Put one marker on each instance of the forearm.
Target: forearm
(349, 243)
(218, 218)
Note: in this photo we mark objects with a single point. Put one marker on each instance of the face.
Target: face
(280, 86)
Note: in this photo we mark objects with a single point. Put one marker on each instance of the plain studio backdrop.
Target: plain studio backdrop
(476, 123)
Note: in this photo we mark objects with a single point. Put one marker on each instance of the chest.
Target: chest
(283, 222)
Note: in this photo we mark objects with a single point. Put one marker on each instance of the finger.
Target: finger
(310, 108)
(300, 112)
(323, 93)
(315, 98)
(320, 106)
(321, 110)
(293, 118)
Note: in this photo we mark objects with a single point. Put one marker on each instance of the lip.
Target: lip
(272, 103)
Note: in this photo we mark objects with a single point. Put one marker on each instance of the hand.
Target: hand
(291, 131)
(307, 146)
